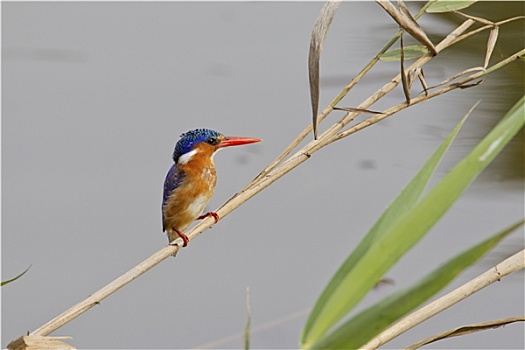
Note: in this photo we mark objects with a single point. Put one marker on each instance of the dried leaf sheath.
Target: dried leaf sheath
(321, 25)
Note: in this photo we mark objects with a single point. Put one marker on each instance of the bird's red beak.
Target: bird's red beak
(237, 141)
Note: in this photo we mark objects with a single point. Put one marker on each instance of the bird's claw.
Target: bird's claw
(185, 239)
(211, 213)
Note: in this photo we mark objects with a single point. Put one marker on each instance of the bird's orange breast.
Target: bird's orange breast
(190, 198)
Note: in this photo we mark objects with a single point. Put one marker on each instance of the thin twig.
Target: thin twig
(479, 30)
(468, 329)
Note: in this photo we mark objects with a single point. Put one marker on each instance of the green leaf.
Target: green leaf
(15, 278)
(410, 52)
(403, 224)
(376, 318)
(448, 5)
(317, 323)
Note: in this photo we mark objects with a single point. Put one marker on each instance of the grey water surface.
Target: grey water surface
(94, 97)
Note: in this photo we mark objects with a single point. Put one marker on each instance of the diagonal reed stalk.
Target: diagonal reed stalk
(282, 165)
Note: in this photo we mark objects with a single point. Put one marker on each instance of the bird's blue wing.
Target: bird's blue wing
(173, 180)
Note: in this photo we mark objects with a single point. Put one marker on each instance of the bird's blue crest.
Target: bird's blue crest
(189, 139)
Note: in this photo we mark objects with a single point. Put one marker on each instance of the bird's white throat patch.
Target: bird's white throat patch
(214, 153)
(185, 158)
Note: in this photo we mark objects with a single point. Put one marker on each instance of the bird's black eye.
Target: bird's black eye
(212, 141)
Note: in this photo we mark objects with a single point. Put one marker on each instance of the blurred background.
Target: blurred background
(95, 96)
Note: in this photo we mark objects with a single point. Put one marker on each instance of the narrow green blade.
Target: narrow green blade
(403, 203)
(409, 52)
(370, 322)
(385, 244)
(3, 283)
(449, 6)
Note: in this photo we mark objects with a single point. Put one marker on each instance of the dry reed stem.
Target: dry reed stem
(505, 268)
(403, 105)
(489, 26)
(325, 138)
(272, 173)
(336, 100)
(468, 329)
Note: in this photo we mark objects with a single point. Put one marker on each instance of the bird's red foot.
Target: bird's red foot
(215, 216)
(185, 238)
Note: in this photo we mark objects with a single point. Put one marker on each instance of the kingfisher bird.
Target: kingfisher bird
(191, 180)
